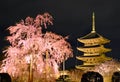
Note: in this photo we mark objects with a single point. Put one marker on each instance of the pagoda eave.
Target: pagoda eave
(84, 67)
(94, 49)
(97, 58)
(84, 58)
(94, 41)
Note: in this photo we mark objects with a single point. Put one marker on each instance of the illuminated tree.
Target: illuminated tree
(108, 68)
(34, 53)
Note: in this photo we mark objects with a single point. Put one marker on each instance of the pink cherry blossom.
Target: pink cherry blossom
(26, 38)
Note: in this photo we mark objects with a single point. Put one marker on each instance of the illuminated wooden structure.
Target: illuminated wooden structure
(93, 49)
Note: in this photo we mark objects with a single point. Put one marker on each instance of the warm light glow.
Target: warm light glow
(108, 68)
(27, 38)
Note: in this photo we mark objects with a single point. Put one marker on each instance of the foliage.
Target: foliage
(75, 75)
(108, 68)
(27, 40)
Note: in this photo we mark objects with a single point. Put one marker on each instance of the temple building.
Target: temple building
(93, 49)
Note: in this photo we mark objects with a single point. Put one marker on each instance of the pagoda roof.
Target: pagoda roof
(85, 58)
(90, 56)
(84, 67)
(94, 46)
(90, 62)
(97, 49)
(99, 58)
(91, 35)
(93, 38)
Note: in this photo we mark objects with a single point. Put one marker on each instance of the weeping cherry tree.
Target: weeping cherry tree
(32, 54)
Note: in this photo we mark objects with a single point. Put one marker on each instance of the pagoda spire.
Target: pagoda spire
(93, 23)
(93, 49)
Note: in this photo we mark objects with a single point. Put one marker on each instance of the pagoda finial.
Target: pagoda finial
(93, 22)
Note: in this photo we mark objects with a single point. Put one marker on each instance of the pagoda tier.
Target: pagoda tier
(90, 61)
(93, 49)
(96, 49)
(85, 67)
(93, 58)
(90, 54)
(92, 39)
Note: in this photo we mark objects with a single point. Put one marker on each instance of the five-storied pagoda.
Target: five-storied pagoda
(93, 49)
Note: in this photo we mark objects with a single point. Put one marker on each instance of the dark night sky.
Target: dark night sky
(71, 17)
